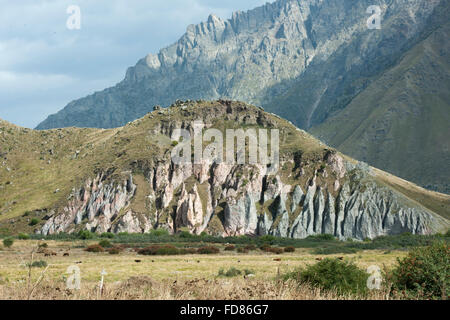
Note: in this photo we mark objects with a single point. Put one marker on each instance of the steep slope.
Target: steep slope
(400, 122)
(258, 55)
(123, 180)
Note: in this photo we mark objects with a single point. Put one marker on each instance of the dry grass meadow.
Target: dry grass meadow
(133, 276)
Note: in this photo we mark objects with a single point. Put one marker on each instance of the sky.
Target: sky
(44, 65)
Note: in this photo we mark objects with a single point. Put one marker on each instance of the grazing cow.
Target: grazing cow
(66, 254)
(278, 259)
(319, 259)
(137, 261)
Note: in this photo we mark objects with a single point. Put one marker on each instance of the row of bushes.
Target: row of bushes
(423, 274)
(322, 243)
(172, 250)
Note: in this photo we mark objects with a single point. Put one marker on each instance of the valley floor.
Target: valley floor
(133, 276)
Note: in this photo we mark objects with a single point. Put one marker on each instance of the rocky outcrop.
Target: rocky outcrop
(98, 206)
(360, 209)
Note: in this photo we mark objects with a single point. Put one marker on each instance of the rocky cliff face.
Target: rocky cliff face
(315, 191)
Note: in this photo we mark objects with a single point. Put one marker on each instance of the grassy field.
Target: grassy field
(167, 275)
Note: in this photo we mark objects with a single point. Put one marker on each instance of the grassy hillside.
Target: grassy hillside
(39, 169)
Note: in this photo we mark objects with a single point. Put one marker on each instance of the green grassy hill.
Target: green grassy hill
(40, 169)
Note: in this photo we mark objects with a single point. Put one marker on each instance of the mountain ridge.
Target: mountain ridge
(122, 180)
(307, 61)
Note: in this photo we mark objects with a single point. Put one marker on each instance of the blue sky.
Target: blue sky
(44, 65)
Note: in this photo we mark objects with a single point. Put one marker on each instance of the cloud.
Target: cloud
(43, 65)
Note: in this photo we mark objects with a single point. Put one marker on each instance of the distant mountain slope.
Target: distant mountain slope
(401, 121)
(123, 180)
(307, 61)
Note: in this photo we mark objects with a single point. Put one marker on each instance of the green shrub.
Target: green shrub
(268, 239)
(85, 235)
(23, 236)
(159, 232)
(250, 247)
(107, 235)
(230, 248)
(232, 272)
(289, 249)
(8, 242)
(105, 243)
(424, 273)
(38, 264)
(43, 245)
(95, 248)
(208, 250)
(332, 274)
(185, 235)
(34, 221)
(334, 250)
(324, 237)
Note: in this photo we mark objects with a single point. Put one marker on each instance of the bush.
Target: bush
(208, 250)
(23, 236)
(105, 243)
(94, 248)
(8, 242)
(274, 250)
(114, 250)
(188, 251)
(185, 235)
(230, 248)
(250, 247)
(43, 245)
(85, 235)
(232, 272)
(34, 221)
(268, 239)
(107, 235)
(289, 249)
(424, 273)
(159, 232)
(159, 250)
(38, 264)
(242, 250)
(334, 250)
(332, 274)
(324, 237)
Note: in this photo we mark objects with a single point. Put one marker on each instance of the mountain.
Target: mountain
(314, 62)
(124, 180)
